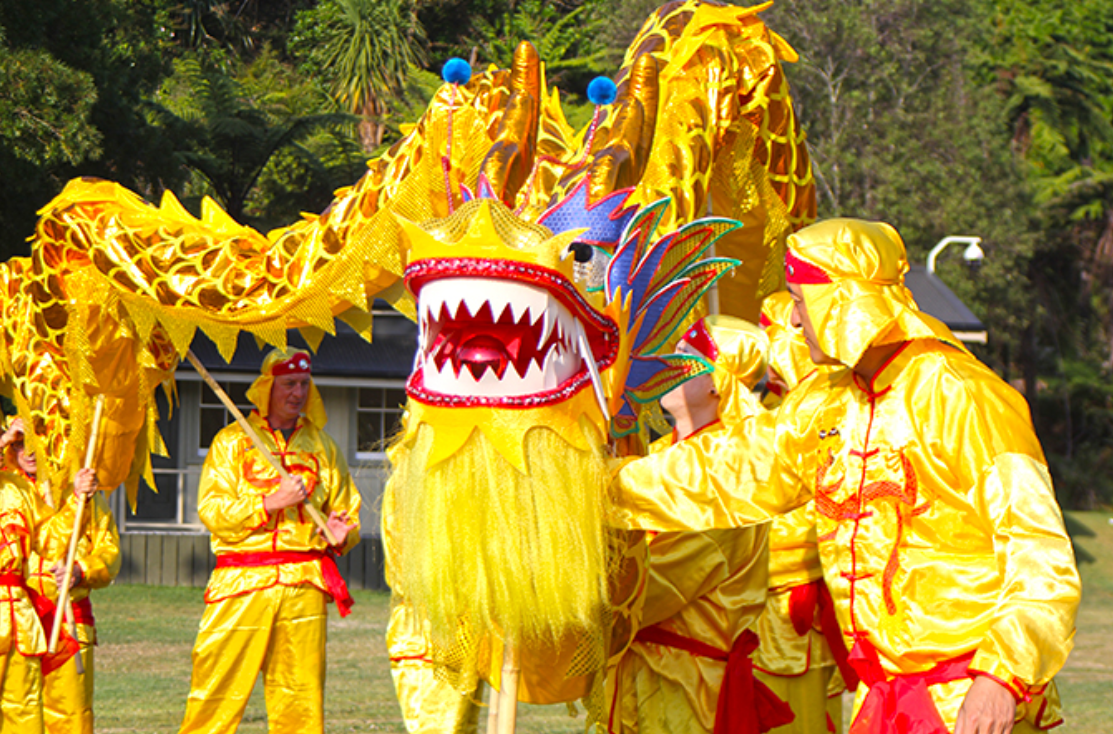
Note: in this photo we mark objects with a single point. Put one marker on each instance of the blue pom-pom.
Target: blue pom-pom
(601, 90)
(456, 71)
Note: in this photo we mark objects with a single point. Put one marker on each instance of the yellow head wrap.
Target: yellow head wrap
(737, 349)
(260, 391)
(788, 351)
(851, 274)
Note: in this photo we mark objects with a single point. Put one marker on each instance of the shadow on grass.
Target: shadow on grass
(1078, 529)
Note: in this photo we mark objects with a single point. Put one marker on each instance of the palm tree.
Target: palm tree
(365, 48)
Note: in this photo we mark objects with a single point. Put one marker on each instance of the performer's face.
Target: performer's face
(691, 394)
(25, 459)
(775, 382)
(801, 321)
(289, 394)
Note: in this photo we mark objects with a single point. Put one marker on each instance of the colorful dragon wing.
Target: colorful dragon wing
(652, 286)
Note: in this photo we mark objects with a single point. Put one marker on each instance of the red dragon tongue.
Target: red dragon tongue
(481, 352)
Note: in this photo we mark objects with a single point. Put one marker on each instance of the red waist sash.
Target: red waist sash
(44, 610)
(901, 704)
(83, 612)
(746, 705)
(803, 602)
(334, 582)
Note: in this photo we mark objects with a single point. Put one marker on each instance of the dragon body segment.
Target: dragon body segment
(548, 269)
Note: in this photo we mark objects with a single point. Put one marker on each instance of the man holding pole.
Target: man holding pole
(68, 690)
(275, 570)
(26, 580)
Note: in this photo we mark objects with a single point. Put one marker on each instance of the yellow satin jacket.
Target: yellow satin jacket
(98, 549)
(707, 586)
(793, 561)
(720, 479)
(21, 511)
(937, 523)
(234, 480)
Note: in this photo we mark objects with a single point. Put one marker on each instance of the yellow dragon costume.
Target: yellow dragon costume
(530, 359)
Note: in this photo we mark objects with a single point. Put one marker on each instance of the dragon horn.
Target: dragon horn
(622, 148)
(509, 160)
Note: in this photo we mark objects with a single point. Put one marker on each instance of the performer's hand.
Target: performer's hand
(989, 708)
(59, 571)
(85, 483)
(290, 492)
(339, 526)
(13, 431)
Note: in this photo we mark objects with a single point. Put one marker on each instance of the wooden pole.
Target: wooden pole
(508, 689)
(78, 519)
(314, 514)
(493, 712)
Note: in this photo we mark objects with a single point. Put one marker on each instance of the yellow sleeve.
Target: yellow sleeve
(682, 568)
(715, 480)
(22, 513)
(229, 507)
(343, 494)
(101, 562)
(997, 455)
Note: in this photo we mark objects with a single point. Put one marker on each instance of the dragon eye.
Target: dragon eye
(582, 251)
(590, 268)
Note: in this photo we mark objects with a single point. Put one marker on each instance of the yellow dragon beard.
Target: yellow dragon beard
(491, 548)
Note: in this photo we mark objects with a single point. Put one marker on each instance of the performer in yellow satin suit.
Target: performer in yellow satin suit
(68, 694)
(941, 540)
(26, 582)
(274, 571)
(704, 591)
(798, 629)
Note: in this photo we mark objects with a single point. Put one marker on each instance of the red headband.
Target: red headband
(802, 272)
(299, 364)
(700, 338)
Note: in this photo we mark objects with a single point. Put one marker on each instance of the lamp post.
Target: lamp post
(972, 254)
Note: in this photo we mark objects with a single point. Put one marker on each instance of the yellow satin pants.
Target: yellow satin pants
(21, 694)
(68, 696)
(279, 631)
(807, 695)
(430, 706)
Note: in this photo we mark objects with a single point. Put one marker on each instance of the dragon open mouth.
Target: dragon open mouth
(502, 333)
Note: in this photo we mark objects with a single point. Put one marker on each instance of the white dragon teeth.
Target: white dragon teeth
(446, 297)
(474, 300)
(518, 309)
(548, 321)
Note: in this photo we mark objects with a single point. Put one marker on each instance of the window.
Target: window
(214, 416)
(378, 415)
(161, 506)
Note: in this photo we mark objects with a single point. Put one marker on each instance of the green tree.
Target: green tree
(363, 50)
(564, 34)
(80, 71)
(233, 138)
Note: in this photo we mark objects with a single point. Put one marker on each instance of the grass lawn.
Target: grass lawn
(146, 634)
